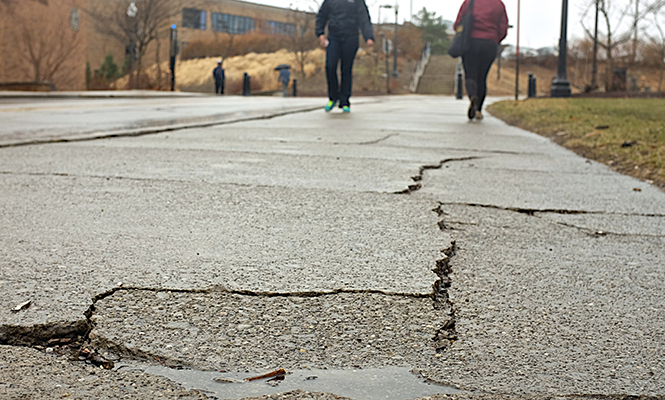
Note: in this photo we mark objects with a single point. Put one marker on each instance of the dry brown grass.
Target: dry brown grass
(196, 75)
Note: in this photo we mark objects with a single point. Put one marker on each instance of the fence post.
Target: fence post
(295, 87)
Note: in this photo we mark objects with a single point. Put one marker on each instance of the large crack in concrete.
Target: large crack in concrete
(419, 177)
(534, 211)
(441, 335)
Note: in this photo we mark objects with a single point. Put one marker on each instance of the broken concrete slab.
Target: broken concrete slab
(543, 190)
(238, 333)
(73, 238)
(545, 308)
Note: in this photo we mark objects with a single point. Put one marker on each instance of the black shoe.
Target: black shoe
(473, 107)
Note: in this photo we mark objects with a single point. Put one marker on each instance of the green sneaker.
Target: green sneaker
(346, 109)
(330, 105)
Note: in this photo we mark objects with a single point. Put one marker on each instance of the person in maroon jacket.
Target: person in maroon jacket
(489, 28)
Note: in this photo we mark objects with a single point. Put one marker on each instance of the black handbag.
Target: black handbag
(462, 40)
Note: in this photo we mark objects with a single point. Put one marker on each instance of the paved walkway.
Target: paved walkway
(483, 256)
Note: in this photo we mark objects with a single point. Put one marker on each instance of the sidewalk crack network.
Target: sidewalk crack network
(421, 172)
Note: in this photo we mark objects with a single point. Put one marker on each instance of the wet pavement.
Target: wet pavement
(483, 259)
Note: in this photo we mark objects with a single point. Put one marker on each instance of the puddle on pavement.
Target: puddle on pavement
(391, 383)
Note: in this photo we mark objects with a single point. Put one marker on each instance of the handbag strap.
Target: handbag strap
(471, 4)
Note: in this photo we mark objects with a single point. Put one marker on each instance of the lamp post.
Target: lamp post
(173, 52)
(384, 47)
(131, 13)
(395, 73)
(560, 85)
(594, 68)
(517, 55)
(380, 7)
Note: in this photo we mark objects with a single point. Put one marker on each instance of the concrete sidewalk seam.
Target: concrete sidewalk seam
(534, 211)
(151, 131)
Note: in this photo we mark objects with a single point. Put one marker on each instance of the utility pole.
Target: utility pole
(395, 73)
(594, 68)
(173, 52)
(517, 55)
(561, 86)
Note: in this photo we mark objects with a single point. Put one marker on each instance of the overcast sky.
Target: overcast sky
(540, 19)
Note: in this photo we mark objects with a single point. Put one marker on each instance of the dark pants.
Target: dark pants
(343, 50)
(219, 87)
(477, 63)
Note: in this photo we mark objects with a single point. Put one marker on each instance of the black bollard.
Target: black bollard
(531, 92)
(460, 91)
(295, 87)
(246, 85)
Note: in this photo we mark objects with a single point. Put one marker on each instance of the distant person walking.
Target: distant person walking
(284, 77)
(489, 28)
(218, 75)
(345, 18)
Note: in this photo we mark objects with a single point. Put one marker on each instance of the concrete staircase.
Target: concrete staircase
(439, 76)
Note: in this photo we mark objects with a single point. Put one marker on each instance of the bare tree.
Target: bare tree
(616, 33)
(643, 8)
(136, 24)
(303, 39)
(43, 46)
(656, 43)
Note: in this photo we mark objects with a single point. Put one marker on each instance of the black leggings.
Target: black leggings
(477, 63)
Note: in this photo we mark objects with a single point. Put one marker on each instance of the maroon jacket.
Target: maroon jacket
(489, 19)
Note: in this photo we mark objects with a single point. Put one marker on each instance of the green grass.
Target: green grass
(626, 134)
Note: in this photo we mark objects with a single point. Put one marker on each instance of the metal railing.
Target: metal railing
(420, 69)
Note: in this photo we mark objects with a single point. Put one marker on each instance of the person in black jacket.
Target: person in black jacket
(218, 75)
(345, 18)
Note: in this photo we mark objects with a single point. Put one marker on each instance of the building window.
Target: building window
(74, 19)
(233, 24)
(195, 19)
(280, 28)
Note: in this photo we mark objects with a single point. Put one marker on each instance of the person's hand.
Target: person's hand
(323, 41)
(370, 42)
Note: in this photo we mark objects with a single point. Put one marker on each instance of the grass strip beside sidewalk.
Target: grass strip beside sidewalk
(626, 134)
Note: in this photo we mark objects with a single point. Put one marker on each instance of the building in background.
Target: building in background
(77, 40)
(43, 41)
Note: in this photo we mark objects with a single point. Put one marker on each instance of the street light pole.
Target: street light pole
(395, 73)
(173, 52)
(517, 55)
(383, 6)
(561, 86)
(594, 68)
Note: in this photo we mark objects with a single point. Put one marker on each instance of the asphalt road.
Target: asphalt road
(401, 237)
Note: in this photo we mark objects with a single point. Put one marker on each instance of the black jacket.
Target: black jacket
(344, 18)
(218, 74)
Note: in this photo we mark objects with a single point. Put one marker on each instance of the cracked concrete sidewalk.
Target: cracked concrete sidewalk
(196, 244)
